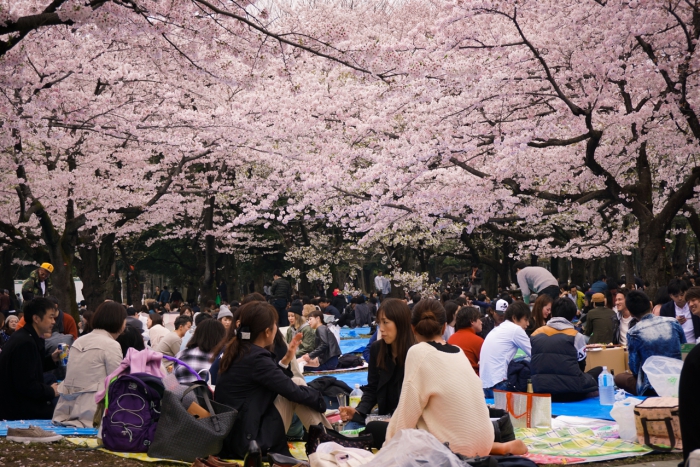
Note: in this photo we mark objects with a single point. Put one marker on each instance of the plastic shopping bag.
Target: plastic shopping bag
(664, 374)
(415, 448)
(623, 413)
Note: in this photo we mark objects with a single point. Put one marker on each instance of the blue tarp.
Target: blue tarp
(353, 345)
(49, 426)
(347, 332)
(590, 408)
(351, 378)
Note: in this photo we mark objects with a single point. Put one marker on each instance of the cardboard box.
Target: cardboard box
(614, 358)
(627, 360)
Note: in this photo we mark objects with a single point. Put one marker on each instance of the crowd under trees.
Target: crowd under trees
(208, 141)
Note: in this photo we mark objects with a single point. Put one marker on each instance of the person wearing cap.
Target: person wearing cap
(501, 345)
(39, 283)
(225, 316)
(495, 315)
(535, 280)
(600, 321)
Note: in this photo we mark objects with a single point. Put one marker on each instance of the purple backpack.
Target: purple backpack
(132, 410)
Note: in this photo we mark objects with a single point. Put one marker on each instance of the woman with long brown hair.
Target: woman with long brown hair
(386, 365)
(541, 313)
(254, 383)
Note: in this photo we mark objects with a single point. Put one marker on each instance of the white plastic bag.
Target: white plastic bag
(335, 455)
(664, 374)
(623, 413)
(415, 448)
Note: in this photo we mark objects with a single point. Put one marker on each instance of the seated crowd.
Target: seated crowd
(431, 361)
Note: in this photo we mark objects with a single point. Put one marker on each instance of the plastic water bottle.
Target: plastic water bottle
(606, 387)
(355, 396)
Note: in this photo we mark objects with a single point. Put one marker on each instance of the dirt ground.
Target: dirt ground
(64, 454)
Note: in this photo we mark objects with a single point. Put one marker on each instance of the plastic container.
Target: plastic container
(623, 413)
(63, 358)
(664, 374)
(606, 387)
(355, 396)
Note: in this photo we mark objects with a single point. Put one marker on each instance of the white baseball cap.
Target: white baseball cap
(501, 306)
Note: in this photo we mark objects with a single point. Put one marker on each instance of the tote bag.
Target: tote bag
(182, 436)
(526, 410)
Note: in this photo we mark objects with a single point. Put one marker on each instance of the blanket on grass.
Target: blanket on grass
(297, 449)
(49, 426)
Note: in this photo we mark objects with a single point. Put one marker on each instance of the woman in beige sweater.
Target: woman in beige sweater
(442, 394)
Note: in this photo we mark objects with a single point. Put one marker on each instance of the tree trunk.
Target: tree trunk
(208, 286)
(680, 253)
(652, 249)
(554, 266)
(96, 268)
(578, 271)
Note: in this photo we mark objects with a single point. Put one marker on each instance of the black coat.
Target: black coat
(23, 361)
(669, 310)
(383, 386)
(326, 345)
(250, 385)
(555, 368)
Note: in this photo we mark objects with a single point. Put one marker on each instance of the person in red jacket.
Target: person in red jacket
(468, 323)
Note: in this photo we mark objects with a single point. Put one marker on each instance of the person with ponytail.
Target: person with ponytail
(253, 381)
(442, 394)
(386, 368)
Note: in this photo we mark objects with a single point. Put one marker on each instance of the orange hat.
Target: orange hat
(598, 298)
(47, 266)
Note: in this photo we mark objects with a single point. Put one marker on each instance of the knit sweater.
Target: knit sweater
(442, 394)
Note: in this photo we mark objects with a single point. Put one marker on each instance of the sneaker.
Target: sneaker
(33, 434)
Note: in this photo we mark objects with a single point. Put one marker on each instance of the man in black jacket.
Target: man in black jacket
(678, 308)
(23, 361)
(281, 292)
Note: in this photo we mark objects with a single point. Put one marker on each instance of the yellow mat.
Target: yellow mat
(298, 450)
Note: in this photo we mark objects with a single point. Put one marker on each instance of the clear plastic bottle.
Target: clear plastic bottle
(606, 387)
(355, 396)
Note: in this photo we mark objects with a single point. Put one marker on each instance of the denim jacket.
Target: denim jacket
(653, 335)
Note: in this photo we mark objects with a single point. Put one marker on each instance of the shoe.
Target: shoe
(33, 434)
(278, 460)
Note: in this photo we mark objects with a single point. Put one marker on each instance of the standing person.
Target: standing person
(253, 382)
(164, 296)
(501, 345)
(535, 279)
(23, 361)
(326, 348)
(176, 297)
(93, 357)
(379, 283)
(678, 309)
(223, 291)
(156, 294)
(624, 317)
(39, 282)
(170, 343)
(387, 361)
(281, 292)
(600, 321)
(475, 278)
(440, 389)
(467, 325)
(653, 335)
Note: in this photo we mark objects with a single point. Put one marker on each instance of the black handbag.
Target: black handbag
(182, 436)
(320, 434)
(503, 430)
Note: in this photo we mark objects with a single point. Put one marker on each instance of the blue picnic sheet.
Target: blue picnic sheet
(49, 426)
(353, 345)
(590, 408)
(348, 332)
